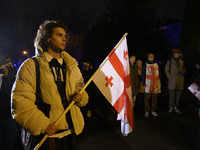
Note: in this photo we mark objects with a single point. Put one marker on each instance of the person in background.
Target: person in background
(11, 67)
(175, 71)
(8, 126)
(140, 97)
(60, 84)
(195, 77)
(139, 66)
(151, 84)
(87, 72)
(134, 77)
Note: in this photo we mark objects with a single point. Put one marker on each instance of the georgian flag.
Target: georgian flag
(113, 80)
(152, 79)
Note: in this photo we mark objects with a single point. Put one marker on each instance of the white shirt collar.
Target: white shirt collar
(49, 58)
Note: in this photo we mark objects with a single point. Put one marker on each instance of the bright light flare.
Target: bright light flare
(25, 52)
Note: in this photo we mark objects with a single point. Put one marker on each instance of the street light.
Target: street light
(26, 53)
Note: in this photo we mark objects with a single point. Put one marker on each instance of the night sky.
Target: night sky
(20, 19)
(172, 8)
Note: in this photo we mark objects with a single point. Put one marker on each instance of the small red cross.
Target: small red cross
(125, 54)
(109, 81)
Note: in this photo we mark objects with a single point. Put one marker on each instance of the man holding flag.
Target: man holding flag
(113, 80)
(60, 83)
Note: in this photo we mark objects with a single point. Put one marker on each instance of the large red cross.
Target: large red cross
(109, 81)
(119, 104)
(153, 79)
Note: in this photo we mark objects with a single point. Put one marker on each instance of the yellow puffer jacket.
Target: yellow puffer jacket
(24, 110)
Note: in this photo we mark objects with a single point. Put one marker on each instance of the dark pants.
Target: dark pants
(174, 97)
(8, 132)
(150, 97)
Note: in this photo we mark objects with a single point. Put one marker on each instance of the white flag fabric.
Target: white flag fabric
(113, 80)
(152, 79)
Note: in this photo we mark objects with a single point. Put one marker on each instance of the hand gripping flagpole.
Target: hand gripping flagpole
(88, 82)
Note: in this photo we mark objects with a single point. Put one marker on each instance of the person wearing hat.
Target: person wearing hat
(175, 71)
(150, 78)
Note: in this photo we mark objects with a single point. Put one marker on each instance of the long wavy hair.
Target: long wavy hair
(45, 32)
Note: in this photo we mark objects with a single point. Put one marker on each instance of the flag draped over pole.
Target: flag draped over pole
(113, 80)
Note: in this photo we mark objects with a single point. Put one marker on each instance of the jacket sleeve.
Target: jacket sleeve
(24, 110)
(77, 79)
(84, 100)
(160, 73)
(137, 78)
(143, 74)
(167, 71)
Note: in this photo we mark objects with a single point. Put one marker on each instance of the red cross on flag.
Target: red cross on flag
(113, 80)
(152, 79)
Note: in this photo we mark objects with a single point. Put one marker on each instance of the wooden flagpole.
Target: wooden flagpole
(88, 82)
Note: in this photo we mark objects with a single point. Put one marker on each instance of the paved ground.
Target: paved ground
(165, 132)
